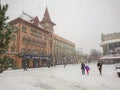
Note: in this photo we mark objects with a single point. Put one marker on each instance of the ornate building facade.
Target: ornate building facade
(34, 42)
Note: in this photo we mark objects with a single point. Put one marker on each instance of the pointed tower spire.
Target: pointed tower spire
(47, 18)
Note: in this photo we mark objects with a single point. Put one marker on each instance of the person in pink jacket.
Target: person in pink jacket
(87, 68)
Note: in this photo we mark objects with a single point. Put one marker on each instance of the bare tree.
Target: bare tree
(94, 55)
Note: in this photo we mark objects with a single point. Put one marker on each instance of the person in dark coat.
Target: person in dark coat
(99, 65)
(25, 67)
(64, 62)
(49, 63)
(83, 68)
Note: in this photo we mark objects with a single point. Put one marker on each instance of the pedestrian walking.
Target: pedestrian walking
(64, 62)
(25, 67)
(49, 63)
(87, 68)
(99, 65)
(83, 68)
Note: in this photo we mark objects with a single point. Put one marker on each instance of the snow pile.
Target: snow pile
(60, 78)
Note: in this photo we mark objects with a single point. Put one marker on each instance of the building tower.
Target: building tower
(47, 22)
(49, 26)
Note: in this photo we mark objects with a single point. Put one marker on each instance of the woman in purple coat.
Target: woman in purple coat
(87, 68)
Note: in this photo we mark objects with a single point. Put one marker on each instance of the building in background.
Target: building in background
(111, 47)
(35, 44)
(79, 55)
(64, 50)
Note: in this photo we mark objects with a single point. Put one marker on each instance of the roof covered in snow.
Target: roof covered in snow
(26, 16)
(110, 41)
(30, 19)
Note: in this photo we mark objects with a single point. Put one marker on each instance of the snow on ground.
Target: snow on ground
(60, 78)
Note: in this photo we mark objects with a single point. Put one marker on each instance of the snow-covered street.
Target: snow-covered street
(60, 78)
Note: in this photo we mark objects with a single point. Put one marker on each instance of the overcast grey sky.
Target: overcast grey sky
(80, 21)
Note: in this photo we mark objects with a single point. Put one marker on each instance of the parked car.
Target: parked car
(117, 67)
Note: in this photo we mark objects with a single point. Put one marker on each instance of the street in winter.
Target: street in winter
(60, 78)
(59, 44)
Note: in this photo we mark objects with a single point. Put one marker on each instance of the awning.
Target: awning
(36, 57)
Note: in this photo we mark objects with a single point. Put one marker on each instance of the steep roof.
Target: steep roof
(35, 21)
(46, 18)
(20, 20)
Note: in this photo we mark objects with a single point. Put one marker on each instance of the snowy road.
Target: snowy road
(58, 78)
(34, 80)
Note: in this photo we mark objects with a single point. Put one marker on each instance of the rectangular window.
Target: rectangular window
(13, 38)
(12, 49)
(15, 29)
(23, 50)
(24, 29)
(35, 33)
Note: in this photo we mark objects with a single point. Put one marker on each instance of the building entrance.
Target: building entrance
(35, 63)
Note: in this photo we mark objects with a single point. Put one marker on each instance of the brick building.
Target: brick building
(34, 42)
